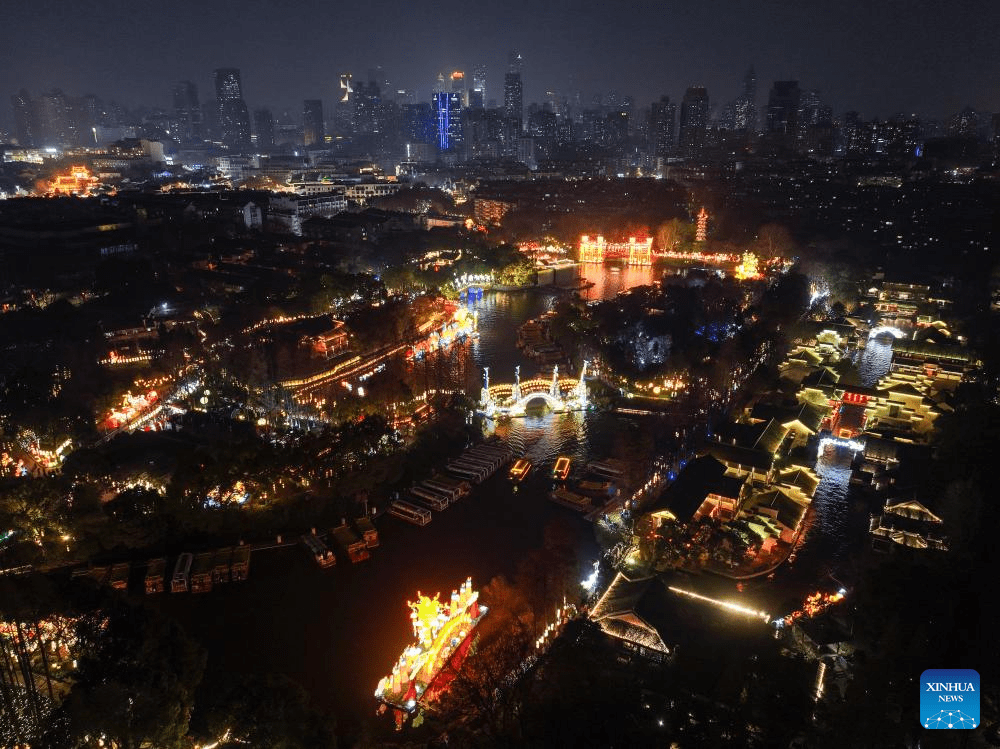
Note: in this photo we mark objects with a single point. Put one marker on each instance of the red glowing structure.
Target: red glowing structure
(444, 635)
(633, 252)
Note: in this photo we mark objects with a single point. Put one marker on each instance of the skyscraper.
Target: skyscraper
(234, 118)
(448, 116)
(694, 120)
(745, 106)
(782, 122)
(478, 95)
(513, 103)
(187, 111)
(662, 116)
(53, 120)
(25, 124)
(313, 132)
(263, 125)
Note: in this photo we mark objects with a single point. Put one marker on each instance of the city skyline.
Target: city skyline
(933, 65)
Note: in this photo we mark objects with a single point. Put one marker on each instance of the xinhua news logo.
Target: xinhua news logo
(949, 698)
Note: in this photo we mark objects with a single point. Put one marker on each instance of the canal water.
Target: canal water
(338, 631)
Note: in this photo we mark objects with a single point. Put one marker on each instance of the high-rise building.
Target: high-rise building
(367, 97)
(53, 120)
(694, 120)
(25, 123)
(313, 132)
(662, 116)
(478, 85)
(458, 82)
(782, 122)
(513, 104)
(346, 88)
(448, 116)
(745, 106)
(187, 111)
(234, 118)
(263, 125)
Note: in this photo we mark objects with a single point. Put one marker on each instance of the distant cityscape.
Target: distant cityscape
(469, 119)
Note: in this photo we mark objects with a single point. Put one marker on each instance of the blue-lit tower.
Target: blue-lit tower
(448, 115)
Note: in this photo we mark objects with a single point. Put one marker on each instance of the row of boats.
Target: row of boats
(473, 466)
(194, 572)
(355, 542)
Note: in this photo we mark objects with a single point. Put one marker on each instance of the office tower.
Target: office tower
(694, 120)
(25, 124)
(745, 106)
(379, 76)
(662, 116)
(263, 125)
(234, 118)
(346, 88)
(448, 116)
(479, 84)
(52, 118)
(782, 122)
(513, 104)
(458, 82)
(187, 111)
(418, 124)
(367, 97)
(313, 132)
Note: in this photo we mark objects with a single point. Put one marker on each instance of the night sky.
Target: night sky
(876, 56)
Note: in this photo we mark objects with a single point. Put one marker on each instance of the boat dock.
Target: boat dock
(410, 513)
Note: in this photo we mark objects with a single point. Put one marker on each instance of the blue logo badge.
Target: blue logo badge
(949, 698)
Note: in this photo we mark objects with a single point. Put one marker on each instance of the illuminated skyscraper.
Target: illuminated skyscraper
(694, 120)
(313, 132)
(234, 118)
(448, 116)
(187, 111)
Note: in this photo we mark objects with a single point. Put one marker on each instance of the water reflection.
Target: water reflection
(874, 359)
(610, 280)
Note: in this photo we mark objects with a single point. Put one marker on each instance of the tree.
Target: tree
(135, 682)
(774, 240)
(270, 711)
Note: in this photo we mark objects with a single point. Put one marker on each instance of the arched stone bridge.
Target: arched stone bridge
(560, 393)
